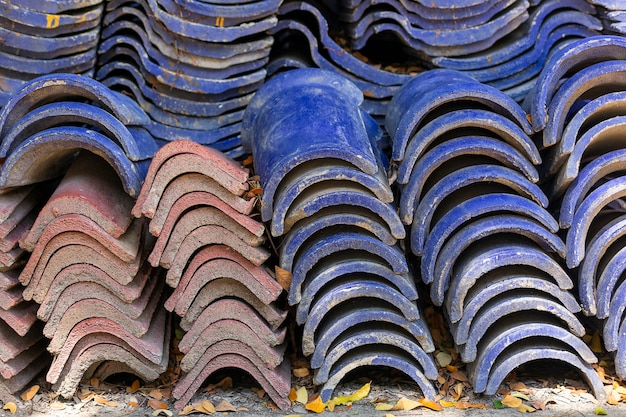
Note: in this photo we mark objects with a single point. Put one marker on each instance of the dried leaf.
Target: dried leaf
(292, 395)
(596, 344)
(354, 397)
(205, 407)
(383, 407)
(300, 372)
(446, 404)
(458, 390)
(389, 415)
(539, 405)
(94, 382)
(226, 383)
(459, 376)
(520, 395)
(404, 404)
(99, 399)
(187, 410)
(430, 404)
(242, 409)
(133, 404)
(11, 406)
(443, 359)
(260, 393)
(452, 368)
(523, 408)
(613, 398)
(599, 411)
(134, 387)
(30, 393)
(317, 406)
(517, 386)
(57, 405)
(463, 405)
(156, 394)
(511, 401)
(283, 277)
(167, 413)
(224, 406)
(157, 405)
(302, 396)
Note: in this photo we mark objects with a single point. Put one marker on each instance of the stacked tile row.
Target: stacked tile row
(486, 244)
(430, 27)
(212, 251)
(39, 38)
(306, 27)
(514, 62)
(325, 193)
(583, 99)
(22, 344)
(613, 15)
(85, 270)
(192, 65)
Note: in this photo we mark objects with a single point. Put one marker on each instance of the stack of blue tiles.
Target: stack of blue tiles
(486, 244)
(326, 195)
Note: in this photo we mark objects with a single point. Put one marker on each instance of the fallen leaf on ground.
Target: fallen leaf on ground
(458, 390)
(224, 406)
(205, 407)
(133, 404)
(29, 393)
(292, 395)
(94, 382)
(57, 405)
(156, 394)
(430, 404)
(443, 359)
(539, 405)
(523, 408)
(452, 368)
(11, 407)
(600, 411)
(134, 387)
(157, 405)
(511, 401)
(389, 415)
(283, 277)
(520, 395)
(383, 407)
(596, 344)
(517, 386)
(354, 397)
(167, 413)
(99, 399)
(302, 396)
(300, 372)
(459, 376)
(498, 404)
(188, 409)
(317, 406)
(446, 404)
(404, 404)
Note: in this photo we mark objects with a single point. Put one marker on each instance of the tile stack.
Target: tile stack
(22, 344)
(51, 118)
(85, 266)
(98, 302)
(212, 251)
(486, 243)
(191, 65)
(613, 15)
(514, 62)
(433, 28)
(583, 97)
(326, 193)
(38, 38)
(306, 27)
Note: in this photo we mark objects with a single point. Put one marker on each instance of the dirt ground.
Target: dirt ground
(551, 396)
